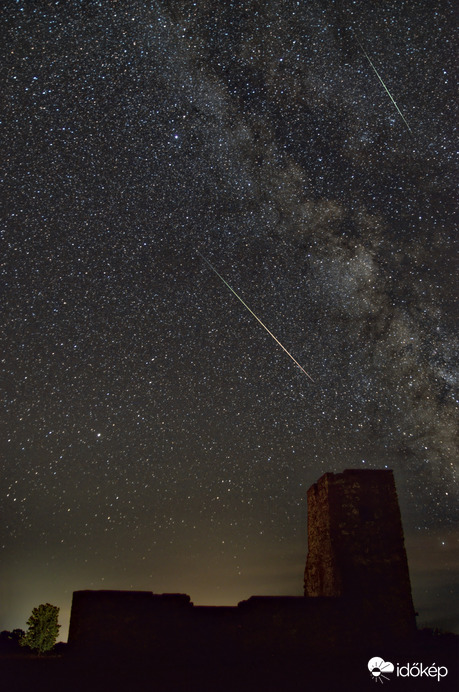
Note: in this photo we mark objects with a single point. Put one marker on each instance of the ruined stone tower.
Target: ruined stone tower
(356, 580)
(356, 547)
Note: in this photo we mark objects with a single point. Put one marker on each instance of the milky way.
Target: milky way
(153, 436)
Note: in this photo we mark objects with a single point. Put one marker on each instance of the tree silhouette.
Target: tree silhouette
(43, 628)
(9, 641)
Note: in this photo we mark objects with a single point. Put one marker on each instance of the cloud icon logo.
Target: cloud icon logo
(378, 668)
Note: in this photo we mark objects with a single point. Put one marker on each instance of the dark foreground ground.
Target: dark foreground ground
(328, 672)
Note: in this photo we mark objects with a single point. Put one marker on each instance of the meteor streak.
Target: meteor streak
(257, 318)
(387, 90)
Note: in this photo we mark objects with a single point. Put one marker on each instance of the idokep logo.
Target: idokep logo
(419, 670)
(378, 668)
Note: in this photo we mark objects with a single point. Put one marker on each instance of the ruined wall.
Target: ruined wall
(356, 547)
(139, 620)
(168, 628)
(356, 579)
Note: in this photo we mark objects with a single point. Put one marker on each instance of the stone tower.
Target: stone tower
(356, 548)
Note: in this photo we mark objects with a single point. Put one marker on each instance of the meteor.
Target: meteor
(252, 313)
(387, 90)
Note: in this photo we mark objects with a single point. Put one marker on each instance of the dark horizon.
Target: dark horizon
(439, 617)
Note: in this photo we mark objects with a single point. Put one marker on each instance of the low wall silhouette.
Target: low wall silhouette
(169, 625)
(357, 590)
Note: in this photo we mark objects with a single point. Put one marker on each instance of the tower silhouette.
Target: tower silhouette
(356, 547)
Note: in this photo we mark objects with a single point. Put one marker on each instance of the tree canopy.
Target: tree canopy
(43, 628)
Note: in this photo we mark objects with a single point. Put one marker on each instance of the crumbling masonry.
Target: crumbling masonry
(357, 589)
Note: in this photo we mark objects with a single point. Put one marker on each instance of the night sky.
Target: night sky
(153, 435)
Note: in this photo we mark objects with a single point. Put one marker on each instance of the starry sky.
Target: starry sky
(153, 435)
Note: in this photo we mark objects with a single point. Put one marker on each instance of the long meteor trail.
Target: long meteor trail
(252, 313)
(386, 89)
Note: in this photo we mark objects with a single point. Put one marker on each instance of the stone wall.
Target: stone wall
(356, 582)
(356, 547)
(139, 620)
(168, 627)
